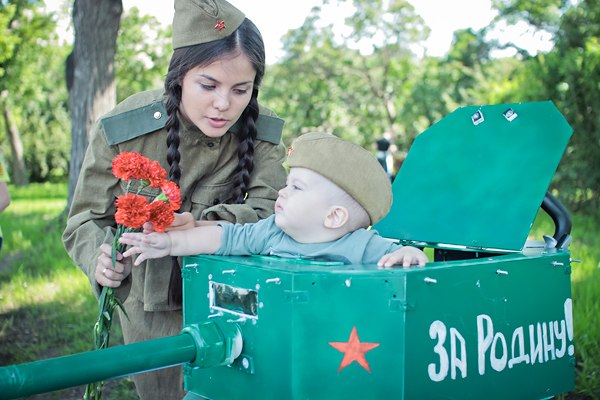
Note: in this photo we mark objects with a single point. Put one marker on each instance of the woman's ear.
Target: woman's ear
(336, 217)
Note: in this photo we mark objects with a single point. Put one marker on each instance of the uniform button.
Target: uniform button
(210, 144)
(157, 115)
(216, 201)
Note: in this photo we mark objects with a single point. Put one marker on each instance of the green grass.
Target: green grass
(46, 305)
(586, 304)
(47, 309)
(585, 286)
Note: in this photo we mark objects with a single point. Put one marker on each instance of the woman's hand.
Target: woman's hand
(182, 221)
(105, 274)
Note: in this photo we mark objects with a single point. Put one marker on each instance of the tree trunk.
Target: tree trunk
(93, 89)
(19, 177)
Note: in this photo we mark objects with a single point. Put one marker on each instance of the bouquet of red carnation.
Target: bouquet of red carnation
(133, 211)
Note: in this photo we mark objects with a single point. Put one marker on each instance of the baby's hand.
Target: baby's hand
(406, 256)
(152, 245)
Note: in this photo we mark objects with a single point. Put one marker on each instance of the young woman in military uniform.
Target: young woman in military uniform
(207, 129)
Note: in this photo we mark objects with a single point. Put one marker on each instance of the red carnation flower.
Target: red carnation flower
(132, 210)
(161, 215)
(172, 191)
(129, 165)
(156, 174)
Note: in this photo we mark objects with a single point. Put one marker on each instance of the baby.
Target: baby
(335, 191)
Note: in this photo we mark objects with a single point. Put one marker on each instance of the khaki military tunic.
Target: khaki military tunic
(207, 179)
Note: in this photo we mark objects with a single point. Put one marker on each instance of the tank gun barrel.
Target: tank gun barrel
(203, 345)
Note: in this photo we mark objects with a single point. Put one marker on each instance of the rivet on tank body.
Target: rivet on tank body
(477, 117)
(510, 114)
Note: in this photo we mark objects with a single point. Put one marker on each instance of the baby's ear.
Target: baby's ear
(336, 217)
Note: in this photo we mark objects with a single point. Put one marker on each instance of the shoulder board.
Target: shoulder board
(133, 123)
(269, 128)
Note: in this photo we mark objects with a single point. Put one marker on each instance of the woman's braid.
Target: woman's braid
(173, 99)
(246, 149)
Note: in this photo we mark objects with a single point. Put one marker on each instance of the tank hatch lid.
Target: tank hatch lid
(476, 178)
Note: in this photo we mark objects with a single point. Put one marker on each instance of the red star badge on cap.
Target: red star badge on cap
(354, 350)
(220, 25)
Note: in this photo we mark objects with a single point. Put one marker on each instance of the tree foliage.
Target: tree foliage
(569, 75)
(355, 86)
(143, 52)
(32, 70)
(33, 100)
(371, 81)
(572, 80)
(542, 14)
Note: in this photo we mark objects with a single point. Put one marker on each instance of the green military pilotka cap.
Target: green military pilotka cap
(349, 166)
(202, 21)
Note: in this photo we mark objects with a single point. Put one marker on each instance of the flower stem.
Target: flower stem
(107, 302)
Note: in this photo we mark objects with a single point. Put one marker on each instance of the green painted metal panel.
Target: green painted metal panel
(493, 328)
(478, 185)
(504, 327)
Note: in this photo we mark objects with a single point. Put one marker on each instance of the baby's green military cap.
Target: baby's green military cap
(349, 166)
(202, 21)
